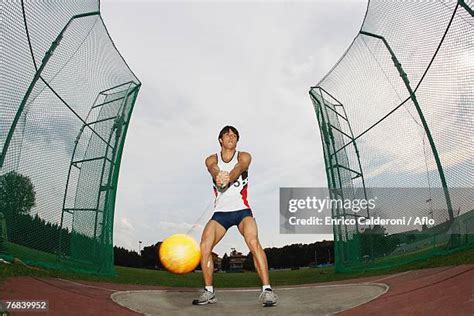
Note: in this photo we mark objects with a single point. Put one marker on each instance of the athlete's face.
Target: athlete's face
(229, 140)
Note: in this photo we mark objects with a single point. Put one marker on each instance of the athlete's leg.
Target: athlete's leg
(212, 234)
(248, 228)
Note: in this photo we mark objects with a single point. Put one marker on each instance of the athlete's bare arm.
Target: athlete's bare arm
(241, 166)
(218, 176)
(211, 164)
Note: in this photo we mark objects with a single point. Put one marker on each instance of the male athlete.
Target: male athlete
(229, 171)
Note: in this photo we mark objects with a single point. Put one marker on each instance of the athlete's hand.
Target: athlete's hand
(225, 178)
(219, 179)
(222, 179)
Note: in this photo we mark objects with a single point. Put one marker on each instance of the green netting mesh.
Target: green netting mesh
(66, 97)
(396, 111)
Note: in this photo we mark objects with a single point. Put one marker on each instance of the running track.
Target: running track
(436, 291)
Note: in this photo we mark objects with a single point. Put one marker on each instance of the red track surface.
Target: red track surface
(438, 291)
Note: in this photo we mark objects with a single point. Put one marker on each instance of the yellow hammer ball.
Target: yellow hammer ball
(180, 254)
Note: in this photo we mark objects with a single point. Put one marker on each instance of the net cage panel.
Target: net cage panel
(396, 112)
(66, 101)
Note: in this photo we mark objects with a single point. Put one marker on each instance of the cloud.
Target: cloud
(125, 224)
(177, 226)
(125, 233)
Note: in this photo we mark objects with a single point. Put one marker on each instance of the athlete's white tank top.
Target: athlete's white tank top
(234, 198)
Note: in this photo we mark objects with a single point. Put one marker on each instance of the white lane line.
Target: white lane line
(367, 301)
(85, 285)
(391, 276)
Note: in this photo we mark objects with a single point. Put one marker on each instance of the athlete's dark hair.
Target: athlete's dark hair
(226, 130)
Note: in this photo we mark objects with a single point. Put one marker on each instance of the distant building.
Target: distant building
(217, 262)
(236, 261)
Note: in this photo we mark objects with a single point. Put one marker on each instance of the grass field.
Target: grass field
(29, 254)
(247, 279)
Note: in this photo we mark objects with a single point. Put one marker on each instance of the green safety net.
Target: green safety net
(66, 98)
(396, 111)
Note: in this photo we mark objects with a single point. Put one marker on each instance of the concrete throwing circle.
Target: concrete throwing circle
(305, 300)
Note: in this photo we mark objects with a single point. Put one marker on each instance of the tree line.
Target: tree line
(290, 256)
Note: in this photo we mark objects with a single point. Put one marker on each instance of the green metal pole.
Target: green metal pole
(361, 174)
(329, 173)
(107, 188)
(404, 76)
(463, 4)
(117, 131)
(117, 159)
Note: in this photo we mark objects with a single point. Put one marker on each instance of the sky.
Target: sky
(204, 65)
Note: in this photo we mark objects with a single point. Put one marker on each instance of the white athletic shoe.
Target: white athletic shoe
(268, 298)
(205, 297)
